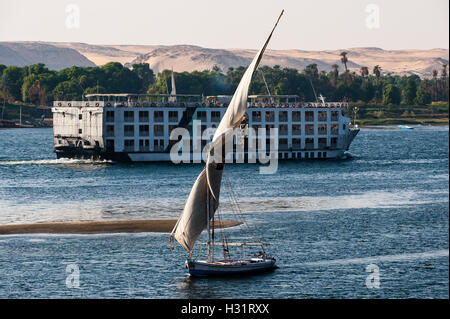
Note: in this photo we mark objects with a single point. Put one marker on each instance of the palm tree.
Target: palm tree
(344, 59)
(444, 71)
(335, 73)
(435, 74)
(444, 83)
(377, 71)
(364, 71)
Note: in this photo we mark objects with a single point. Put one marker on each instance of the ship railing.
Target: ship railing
(298, 105)
(192, 104)
(78, 103)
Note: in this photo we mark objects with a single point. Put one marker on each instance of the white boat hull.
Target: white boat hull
(230, 267)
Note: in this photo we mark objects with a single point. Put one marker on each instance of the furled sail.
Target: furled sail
(193, 220)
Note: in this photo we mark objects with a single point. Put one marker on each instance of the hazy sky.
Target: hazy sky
(307, 24)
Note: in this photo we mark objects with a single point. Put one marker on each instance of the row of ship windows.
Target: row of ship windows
(283, 129)
(283, 145)
(256, 116)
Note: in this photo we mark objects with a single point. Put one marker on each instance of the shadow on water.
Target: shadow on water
(220, 287)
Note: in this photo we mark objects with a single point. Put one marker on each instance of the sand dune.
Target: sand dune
(402, 62)
(27, 53)
(101, 227)
(190, 57)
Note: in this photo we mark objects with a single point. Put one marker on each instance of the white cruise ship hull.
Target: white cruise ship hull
(127, 131)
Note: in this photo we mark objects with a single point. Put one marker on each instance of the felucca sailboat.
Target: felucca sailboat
(203, 200)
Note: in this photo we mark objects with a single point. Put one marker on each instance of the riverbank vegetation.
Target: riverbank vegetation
(377, 96)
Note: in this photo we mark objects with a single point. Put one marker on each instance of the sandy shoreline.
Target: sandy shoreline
(100, 227)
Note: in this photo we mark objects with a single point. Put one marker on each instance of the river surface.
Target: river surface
(374, 226)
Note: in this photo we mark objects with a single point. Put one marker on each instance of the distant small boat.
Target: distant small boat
(405, 127)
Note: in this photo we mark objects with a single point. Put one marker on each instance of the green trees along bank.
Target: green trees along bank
(37, 85)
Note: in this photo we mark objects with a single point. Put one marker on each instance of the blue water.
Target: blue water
(327, 221)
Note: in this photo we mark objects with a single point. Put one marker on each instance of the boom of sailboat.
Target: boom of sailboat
(236, 244)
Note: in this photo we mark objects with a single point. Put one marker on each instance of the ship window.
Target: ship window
(128, 116)
(201, 115)
(296, 129)
(128, 130)
(283, 144)
(270, 116)
(322, 116)
(333, 141)
(322, 142)
(109, 116)
(158, 130)
(322, 129)
(256, 116)
(143, 116)
(144, 130)
(110, 145)
(296, 143)
(109, 130)
(283, 129)
(309, 143)
(309, 129)
(334, 129)
(158, 116)
(296, 116)
(215, 116)
(158, 145)
(144, 145)
(283, 116)
(334, 115)
(129, 146)
(173, 116)
(309, 116)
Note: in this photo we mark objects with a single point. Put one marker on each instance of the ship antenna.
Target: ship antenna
(313, 89)
(267, 87)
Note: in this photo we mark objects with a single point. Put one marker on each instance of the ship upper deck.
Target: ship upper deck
(192, 100)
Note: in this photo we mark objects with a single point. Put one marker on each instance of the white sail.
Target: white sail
(193, 220)
(173, 98)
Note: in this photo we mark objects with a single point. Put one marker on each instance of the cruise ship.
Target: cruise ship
(137, 127)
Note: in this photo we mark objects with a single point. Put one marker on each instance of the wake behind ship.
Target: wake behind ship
(137, 127)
